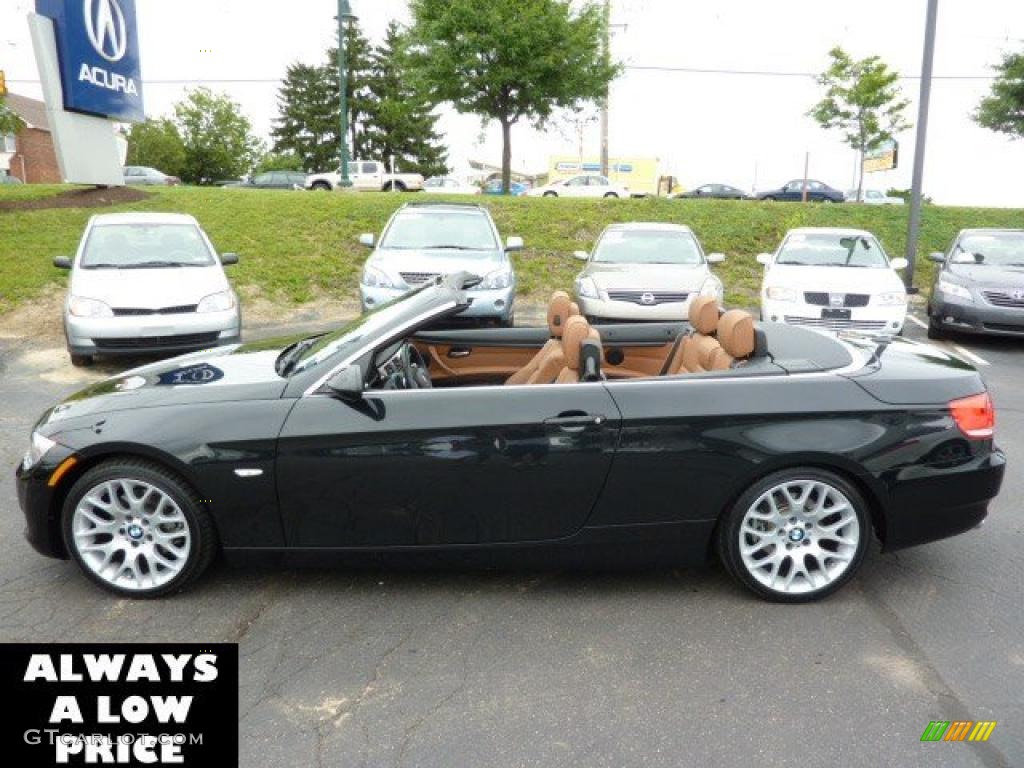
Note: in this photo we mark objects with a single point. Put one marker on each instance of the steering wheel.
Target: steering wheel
(415, 368)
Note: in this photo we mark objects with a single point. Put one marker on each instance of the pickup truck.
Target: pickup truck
(366, 175)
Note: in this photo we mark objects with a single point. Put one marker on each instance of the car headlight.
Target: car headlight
(891, 299)
(37, 448)
(778, 293)
(499, 278)
(587, 288)
(954, 289)
(217, 302)
(374, 278)
(79, 306)
(712, 287)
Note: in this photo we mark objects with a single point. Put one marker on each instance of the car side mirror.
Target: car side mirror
(937, 256)
(899, 264)
(348, 384)
(716, 258)
(366, 239)
(581, 255)
(514, 244)
(227, 259)
(62, 262)
(764, 258)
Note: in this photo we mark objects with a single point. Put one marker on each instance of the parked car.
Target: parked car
(139, 174)
(873, 197)
(782, 462)
(449, 185)
(586, 185)
(145, 283)
(641, 271)
(715, 192)
(6, 178)
(516, 188)
(272, 180)
(367, 175)
(424, 241)
(817, 191)
(833, 279)
(980, 286)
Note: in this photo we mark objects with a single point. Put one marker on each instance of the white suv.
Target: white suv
(833, 279)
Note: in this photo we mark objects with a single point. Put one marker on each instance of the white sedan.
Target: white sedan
(833, 279)
(449, 185)
(585, 185)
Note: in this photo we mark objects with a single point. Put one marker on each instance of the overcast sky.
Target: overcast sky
(703, 126)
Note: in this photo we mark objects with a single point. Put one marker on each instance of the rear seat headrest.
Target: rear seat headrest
(704, 314)
(576, 331)
(559, 310)
(736, 333)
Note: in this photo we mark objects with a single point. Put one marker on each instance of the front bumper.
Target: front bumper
(492, 304)
(869, 319)
(957, 314)
(150, 334)
(606, 309)
(38, 503)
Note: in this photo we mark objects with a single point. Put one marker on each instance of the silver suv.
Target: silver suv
(425, 240)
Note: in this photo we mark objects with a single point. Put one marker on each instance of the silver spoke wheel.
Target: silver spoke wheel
(799, 536)
(131, 534)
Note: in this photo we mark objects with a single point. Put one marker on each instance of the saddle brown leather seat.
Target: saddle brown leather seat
(699, 350)
(549, 361)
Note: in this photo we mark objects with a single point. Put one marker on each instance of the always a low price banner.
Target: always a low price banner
(120, 704)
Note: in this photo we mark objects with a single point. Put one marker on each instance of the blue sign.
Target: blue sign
(98, 49)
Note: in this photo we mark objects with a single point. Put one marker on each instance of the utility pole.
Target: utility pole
(914, 223)
(604, 103)
(344, 14)
(807, 168)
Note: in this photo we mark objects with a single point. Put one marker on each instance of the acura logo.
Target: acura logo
(106, 28)
(647, 298)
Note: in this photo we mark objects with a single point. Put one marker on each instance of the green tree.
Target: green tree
(1003, 109)
(218, 138)
(307, 124)
(510, 60)
(278, 161)
(400, 119)
(862, 100)
(157, 144)
(9, 120)
(358, 91)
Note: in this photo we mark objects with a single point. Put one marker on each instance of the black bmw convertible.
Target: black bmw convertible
(777, 449)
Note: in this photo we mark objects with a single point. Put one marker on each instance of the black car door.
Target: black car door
(445, 466)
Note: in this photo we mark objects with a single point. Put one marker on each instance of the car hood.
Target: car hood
(997, 277)
(833, 279)
(647, 277)
(149, 288)
(240, 372)
(441, 261)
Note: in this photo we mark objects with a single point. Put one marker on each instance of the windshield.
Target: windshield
(457, 230)
(828, 250)
(130, 246)
(1005, 249)
(648, 247)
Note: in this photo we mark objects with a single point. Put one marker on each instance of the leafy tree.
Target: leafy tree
(400, 121)
(904, 194)
(862, 100)
(1003, 109)
(278, 161)
(307, 123)
(10, 122)
(158, 144)
(218, 138)
(510, 60)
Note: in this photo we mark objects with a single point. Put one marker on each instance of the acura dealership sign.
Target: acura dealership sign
(98, 54)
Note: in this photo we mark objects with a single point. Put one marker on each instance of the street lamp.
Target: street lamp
(344, 14)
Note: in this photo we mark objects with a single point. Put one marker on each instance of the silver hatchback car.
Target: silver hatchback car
(425, 240)
(144, 283)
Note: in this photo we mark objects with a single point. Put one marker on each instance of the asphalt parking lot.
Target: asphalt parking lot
(559, 668)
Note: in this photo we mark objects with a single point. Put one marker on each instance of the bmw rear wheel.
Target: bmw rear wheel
(796, 535)
(136, 529)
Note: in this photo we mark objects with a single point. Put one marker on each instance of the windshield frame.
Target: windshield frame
(628, 232)
(83, 252)
(886, 262)
(958, 248)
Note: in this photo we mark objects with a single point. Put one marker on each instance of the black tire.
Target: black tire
(321, 186)
(81, 361)
(201, 528)
(935, 331)
(610, 194)
(550, 194)
(727, 535)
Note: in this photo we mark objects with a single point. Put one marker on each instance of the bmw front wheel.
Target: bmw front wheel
(795, 536)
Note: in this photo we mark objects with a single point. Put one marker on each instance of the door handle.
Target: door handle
(575, 422)
(459, 352)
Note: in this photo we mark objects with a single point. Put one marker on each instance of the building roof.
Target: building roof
(32, 111)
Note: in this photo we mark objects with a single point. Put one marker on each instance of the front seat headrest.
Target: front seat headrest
(576, 331)
(704, 315)
(558, 312)
(736, 333)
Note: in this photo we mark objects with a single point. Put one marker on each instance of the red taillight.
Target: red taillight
(975, 415)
